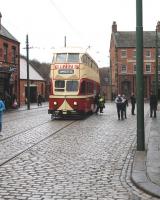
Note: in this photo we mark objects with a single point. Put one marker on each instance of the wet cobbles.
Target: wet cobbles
(90, 159)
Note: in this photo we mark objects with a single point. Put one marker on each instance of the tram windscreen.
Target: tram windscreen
(71, 86)
(61, 57)
(73, 57)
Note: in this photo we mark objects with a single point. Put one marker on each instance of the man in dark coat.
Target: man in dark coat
(133, 102)
(153, 104)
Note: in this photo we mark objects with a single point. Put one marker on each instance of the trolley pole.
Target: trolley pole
(65, 41)
(139, 78)
(28, 85)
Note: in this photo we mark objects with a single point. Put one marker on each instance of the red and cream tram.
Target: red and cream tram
(74, 83)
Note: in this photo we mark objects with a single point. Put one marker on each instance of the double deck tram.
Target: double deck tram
(74, 78)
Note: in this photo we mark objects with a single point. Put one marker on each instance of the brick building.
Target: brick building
(9, 65)
(105, 82)
(37, 82)
(123, 60)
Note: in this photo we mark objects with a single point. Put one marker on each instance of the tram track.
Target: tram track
(10, 117)
(20, 152)
(23, 131)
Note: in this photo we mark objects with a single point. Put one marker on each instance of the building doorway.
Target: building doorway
(126, 88)
(33, 94)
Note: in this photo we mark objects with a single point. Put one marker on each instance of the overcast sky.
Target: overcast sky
(83, 22)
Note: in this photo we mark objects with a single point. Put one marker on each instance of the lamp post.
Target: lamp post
(139, 78)
(28, 85)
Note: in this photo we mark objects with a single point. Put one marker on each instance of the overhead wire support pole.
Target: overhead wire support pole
(28, 84)
(139, 78)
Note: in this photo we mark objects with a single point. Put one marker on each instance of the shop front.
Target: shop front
(8, 85)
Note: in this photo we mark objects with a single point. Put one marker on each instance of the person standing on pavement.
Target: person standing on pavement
(124, 105)
(153, 104)
(133, 102)
(39, 100)
(2, 108)
(119, 104)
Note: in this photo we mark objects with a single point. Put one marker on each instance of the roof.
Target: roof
(33, 74)
(6, 34)
(128, 39)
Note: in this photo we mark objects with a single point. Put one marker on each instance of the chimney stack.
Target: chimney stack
(114, 27)
(0, 20)
(158, 26)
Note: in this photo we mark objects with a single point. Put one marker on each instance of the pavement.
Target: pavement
(32, 106)
(146, 165)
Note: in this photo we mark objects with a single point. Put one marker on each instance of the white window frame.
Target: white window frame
(134, 68)
(123, 53)
(134, 54)
(148, 51)
(123, 68)
(146, 65)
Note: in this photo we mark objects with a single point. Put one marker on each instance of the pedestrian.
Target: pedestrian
(133, 102)
(100, 103)
(124, 105)
(14, 101)
(119, 104)
(39, 100)
(153, 104)
(2, 108)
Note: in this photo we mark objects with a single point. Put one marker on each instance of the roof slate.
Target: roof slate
(5, 33)
(127, 39)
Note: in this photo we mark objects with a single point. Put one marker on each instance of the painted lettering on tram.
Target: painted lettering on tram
(66, 66)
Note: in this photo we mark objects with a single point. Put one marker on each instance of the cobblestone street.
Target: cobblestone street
(88, 159)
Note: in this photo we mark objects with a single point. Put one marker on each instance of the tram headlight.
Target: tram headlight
(55, 103)
(75, 103)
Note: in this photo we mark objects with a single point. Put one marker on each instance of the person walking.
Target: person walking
(2, 108)
(119, 104)
(39, 100)
(153, 104)
(124, 105)
(100, 103)
(133, 102)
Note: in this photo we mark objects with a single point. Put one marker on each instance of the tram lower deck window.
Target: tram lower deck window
(71, 86)
(59, 85)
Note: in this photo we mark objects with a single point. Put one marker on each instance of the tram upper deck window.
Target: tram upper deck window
(72, 86)
(59, 85)
(73, 57)
(61, 57)
(53, 59)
